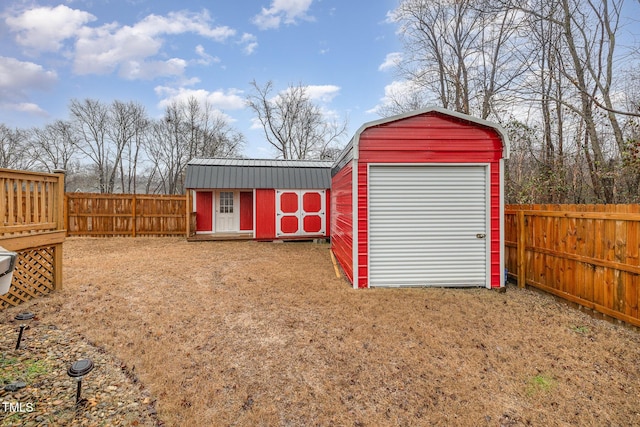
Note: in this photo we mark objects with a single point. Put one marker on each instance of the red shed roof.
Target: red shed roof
(351, 151)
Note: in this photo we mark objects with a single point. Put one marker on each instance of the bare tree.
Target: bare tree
(544, 91)
(188, 130)
(54, 146)
(292, 123)
(167, 152)
(579, 45)
(209, 132)
(462, 54)
(404, 98)
(110, 136)
(127, 124)
(13, 149)
(554, 62)
(90, 120)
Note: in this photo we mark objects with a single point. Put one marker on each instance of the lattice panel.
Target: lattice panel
(33, 276)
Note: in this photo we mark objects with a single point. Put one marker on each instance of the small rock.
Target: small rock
(15, 386)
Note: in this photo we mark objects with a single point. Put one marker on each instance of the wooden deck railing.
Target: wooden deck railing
(32, 224)
(587, 254)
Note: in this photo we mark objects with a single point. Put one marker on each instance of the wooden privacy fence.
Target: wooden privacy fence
(103, 215)
(31, 210)
(587, 254)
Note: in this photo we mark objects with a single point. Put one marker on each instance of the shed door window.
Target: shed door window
(226, 202)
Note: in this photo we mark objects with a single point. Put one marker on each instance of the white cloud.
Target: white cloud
(101, 50)
(317, 93)
(256, 124)
(399, 87)
(395, 91)
(183, 22)
(205, 58)
(26, 107)
(283, 11)
(45, 28)
(231, 99)
(250, 43)
(323, 93)
(148, 70)
(391, 61)
(17, 76)
(188, 82)
(135, 52)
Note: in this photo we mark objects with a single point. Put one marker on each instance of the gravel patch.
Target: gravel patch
(36, 390)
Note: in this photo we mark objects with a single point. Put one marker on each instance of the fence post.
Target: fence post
(188, 206)
(133, 220)
(60, 213)
(66, 213)
(521, 249)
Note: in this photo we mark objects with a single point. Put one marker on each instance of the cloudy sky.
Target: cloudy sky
(154, 51)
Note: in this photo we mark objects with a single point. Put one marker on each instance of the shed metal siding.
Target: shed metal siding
(344, 159)
(230, 173)
(342, 219)
(432, 137)
(363, 226)
(497, 220)
(260, 162)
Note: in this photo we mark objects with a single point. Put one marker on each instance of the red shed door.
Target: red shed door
(246, 210)
(300, 213)
(204, 211)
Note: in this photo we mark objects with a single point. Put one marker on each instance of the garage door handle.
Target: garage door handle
(481, 235)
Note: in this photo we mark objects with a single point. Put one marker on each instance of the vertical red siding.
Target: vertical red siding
(430, 138)
(497, 276)
(327, 213)
(246, 210)
(341, 221)
(265, 214)
(363, 226)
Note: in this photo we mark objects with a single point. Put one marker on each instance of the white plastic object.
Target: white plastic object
(7, 264)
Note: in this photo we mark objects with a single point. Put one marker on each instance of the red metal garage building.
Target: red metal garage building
(259, 199)
(417, 200)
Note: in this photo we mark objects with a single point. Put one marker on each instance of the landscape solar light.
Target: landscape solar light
(77, 371)
(23, 317)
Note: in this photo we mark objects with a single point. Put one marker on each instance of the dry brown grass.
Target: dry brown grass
(246, 333)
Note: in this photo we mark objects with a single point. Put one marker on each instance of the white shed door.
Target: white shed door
(300, 213)
(428, 225)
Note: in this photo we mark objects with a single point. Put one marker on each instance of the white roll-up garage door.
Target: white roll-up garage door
(428, 225)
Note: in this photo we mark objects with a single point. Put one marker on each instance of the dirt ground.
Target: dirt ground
(251, 334)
